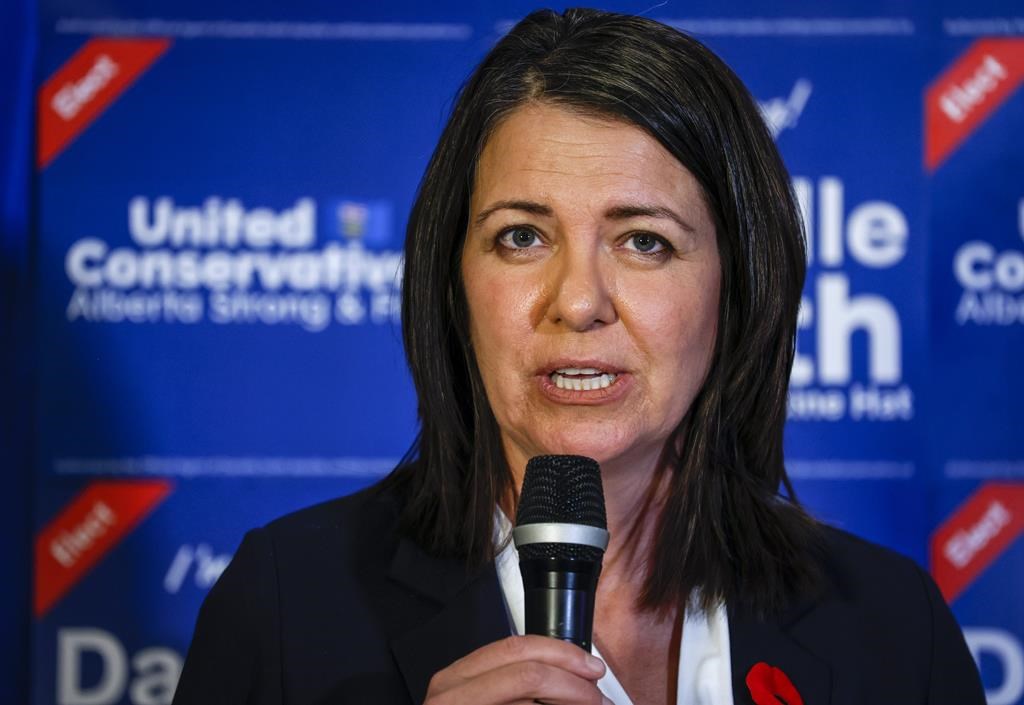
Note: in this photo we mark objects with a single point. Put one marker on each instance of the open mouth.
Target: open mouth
(582, 379)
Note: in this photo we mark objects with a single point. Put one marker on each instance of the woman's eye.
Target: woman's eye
(645, 242)
(519, 238)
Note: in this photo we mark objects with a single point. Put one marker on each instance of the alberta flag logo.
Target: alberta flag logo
(369, 223)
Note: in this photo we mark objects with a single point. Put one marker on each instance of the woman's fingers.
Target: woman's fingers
(521, 669)
(529, 648)
(525, 682)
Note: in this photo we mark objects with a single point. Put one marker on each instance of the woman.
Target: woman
(605, 258)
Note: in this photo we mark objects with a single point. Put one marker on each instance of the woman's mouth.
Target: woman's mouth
(584, 382)
(581, 379)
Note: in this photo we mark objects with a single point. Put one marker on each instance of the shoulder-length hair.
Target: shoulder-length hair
(724, 531)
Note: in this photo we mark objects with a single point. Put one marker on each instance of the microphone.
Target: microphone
(561, 533)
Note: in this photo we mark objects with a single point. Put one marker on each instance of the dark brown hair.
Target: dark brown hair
(725, 532)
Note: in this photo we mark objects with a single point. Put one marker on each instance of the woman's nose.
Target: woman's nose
(581, 296)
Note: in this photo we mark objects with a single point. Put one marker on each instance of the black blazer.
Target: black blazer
(330, 605)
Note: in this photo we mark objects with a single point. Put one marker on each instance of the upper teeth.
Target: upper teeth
(578, 371)
(573, 378)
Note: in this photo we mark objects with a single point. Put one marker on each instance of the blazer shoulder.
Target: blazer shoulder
(291, 589)
(860, 569)
(893, 609)
(332, 544)
(356, 512)
(883, 586)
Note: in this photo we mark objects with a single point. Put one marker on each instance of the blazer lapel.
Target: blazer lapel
(457, 612)
(464, 611)
(752, 641)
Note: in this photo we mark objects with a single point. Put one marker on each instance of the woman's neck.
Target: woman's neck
(633, 510)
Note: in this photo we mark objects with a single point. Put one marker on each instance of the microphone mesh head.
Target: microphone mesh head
(564, 489)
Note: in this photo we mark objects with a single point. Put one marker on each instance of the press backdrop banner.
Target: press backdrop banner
(220, 207)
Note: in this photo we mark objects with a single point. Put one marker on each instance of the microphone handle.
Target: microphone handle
(559, 598)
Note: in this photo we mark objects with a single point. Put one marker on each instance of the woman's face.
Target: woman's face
(592, 275)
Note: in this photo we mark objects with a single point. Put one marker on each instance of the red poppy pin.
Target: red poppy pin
(770, 686)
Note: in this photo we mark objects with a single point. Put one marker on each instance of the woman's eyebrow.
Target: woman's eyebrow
(621, 212)
(531, 207)
(626, 211)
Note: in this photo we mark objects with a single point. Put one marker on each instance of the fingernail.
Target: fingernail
(595, 664)
(606, 701)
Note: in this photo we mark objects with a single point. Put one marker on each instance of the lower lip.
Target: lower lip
(590, 397)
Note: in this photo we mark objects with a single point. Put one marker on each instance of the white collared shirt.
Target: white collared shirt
(705, 672)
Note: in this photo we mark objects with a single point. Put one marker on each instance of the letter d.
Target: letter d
(1003, 646)
(71, 644)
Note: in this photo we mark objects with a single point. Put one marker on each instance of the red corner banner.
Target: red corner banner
(85, 531)
(967, 93)
(975, 535)
(85, 86)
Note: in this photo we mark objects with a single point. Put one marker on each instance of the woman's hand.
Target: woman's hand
(520, 669)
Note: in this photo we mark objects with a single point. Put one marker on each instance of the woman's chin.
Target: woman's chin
(603, 448)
